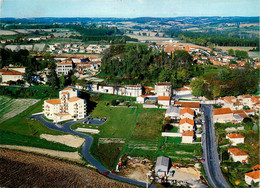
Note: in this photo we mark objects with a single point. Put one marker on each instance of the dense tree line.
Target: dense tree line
(136, 63)
(36, 93)
(226, 82)
(205, 39)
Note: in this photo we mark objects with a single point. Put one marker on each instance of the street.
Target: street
(210, 154)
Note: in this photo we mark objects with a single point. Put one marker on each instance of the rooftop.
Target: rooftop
(186, 120)
(163, 83)
(187, 110)
(237, 151)
(188, 104)
(163, 98)
(256, 167)
(235, 135)
(221, 111)
(188, 133)
(254, 174)
(54, 101)
(73, 99)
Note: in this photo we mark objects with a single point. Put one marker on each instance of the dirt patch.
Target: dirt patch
(69, 140)
(111, 140)
(20, 169)
(74, 156)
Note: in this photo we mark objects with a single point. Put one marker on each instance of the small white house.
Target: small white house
(222, 115)
(238, 155)
(141, 99)
(164, 100)
(186, 125)
(187, 113)
(252, 177)
(235, 138)
(187, 137)
(162, 166)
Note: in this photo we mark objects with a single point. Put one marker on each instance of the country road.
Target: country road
(210, 154)
(85, 149)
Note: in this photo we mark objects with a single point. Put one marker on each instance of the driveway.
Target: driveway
(85, 149)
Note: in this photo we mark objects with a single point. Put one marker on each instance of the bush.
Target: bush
(113, 102)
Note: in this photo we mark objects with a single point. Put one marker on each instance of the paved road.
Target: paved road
(85, 149)
(210, 154)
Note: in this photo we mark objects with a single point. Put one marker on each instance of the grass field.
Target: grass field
(11, 107)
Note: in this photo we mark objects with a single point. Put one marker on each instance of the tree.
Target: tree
(231, 52)
(216, 91)
(62, 81)
(197, 86)
(113, 102)
(28, 76)
(83, 83)
(182, 57)
(73, 79)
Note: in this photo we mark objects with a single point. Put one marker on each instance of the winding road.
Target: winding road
(210, 154)
(85, 149)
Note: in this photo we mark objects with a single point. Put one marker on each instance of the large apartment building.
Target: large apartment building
(68, 106)
(64, 67)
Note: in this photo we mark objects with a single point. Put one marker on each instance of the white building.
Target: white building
(187, 113)
(186, 125)
(187, 137)
(222, 115)
(252, 177)
(64, 67)
(141, 99)
(163, 89)
(235, 138)
(132, 90)
(164, 100)
(11, 75)
(68, 106)
(238, 155)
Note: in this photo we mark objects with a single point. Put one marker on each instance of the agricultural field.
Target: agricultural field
(45, 172)
(226, 48)
(11, 107)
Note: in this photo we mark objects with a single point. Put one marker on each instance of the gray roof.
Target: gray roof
(162, 161)
(173, 110)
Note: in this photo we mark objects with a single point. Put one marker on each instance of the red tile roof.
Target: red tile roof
(235, 135)
(164, 98)
(237, 151)
(188, 133)
(186, 120)
(54, 101)
(222, 111)
(256, 167)
(73, 99)
(189, 104)
(254, 174)
(12, 72)
(187, 110)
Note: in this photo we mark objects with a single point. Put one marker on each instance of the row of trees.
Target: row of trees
(205, 39)
(238, 53)
(227, 82)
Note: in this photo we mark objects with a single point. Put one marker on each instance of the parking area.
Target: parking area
(94, 121)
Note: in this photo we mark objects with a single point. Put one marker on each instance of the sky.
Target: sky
(127, 8)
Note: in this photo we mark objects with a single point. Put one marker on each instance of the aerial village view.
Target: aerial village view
(129, 93)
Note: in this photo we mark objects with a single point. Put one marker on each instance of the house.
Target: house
(162, 166)
(252, 177)
(182, 91)
(222, 115)
(132, 90)
(235, 138)
(163, 89)
(64, 67)
(17, 68)
(67, 106)
(104, 88)
(250, 112)
(256, 167)
(187, 137)
(193, 105)
(11, 75)
(141, 99)
(173, 113)
(238, 155)
(187, 113)
(164, 100)
(186, 124)
(239, 115)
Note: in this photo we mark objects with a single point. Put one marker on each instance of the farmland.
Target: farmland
(11, 107)
(45, 172)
